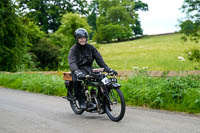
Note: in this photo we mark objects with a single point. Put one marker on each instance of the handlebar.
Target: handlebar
(107, 74)
(111, 74)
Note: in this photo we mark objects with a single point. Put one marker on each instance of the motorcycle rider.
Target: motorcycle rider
(81, 57)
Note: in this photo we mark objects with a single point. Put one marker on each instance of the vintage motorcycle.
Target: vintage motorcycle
(102, 90)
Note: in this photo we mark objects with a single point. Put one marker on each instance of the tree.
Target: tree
(139, 5)
(64, 36)
(93, 11)
(34, 34)
(14, 44)
(44, 53)
(94, 14)
(119, 15)
(48, 13)
(191, 26)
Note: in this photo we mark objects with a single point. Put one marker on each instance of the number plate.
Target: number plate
(105, 81)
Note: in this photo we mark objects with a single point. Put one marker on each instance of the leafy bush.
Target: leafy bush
(47, 55)
(173, 93)
(194, 55)
(190, 30)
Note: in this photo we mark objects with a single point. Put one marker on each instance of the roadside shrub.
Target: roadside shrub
(47, 55)
(194, 55)
(172, 93)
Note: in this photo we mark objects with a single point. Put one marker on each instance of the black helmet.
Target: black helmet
(80, 32)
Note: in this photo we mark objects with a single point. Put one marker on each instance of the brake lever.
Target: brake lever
(112, 74)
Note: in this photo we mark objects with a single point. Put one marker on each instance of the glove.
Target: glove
(80, 75)
(113, 72)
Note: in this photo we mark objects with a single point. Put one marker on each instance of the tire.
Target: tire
(75, 107)
(118, 101)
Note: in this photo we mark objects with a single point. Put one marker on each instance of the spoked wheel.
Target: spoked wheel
(116, 109)
(75, 107)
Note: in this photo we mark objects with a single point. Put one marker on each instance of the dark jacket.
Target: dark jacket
(82, 57)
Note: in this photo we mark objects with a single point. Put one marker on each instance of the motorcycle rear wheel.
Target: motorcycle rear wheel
(116, 109)
(75, 107)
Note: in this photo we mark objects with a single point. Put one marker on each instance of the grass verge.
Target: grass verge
(172, 93)
(39, 83)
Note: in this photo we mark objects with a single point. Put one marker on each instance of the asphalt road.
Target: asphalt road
(23, 112)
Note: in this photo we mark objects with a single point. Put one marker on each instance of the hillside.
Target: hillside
(155, 52)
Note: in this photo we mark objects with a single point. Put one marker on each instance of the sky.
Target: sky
(162, 17)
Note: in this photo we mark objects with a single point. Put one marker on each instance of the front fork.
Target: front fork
(105, 92)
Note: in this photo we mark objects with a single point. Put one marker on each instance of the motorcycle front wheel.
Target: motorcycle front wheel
(116, 109)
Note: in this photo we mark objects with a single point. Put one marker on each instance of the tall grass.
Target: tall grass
(38, 83)
(155, 52)
(173, 93)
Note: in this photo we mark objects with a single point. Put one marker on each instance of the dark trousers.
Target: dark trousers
(78, 89)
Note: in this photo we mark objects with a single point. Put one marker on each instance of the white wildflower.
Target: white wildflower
(145, 68)
(135, 68)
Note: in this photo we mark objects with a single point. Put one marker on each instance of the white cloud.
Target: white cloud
(162, 16)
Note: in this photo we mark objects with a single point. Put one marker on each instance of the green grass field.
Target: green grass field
(155, 52)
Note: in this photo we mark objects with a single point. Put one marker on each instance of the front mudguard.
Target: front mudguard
(114, 86)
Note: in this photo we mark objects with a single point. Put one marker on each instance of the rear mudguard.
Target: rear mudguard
(68, 84)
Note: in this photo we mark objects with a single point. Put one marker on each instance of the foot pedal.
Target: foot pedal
(92, 106)
(65, 97)
(68, 98)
